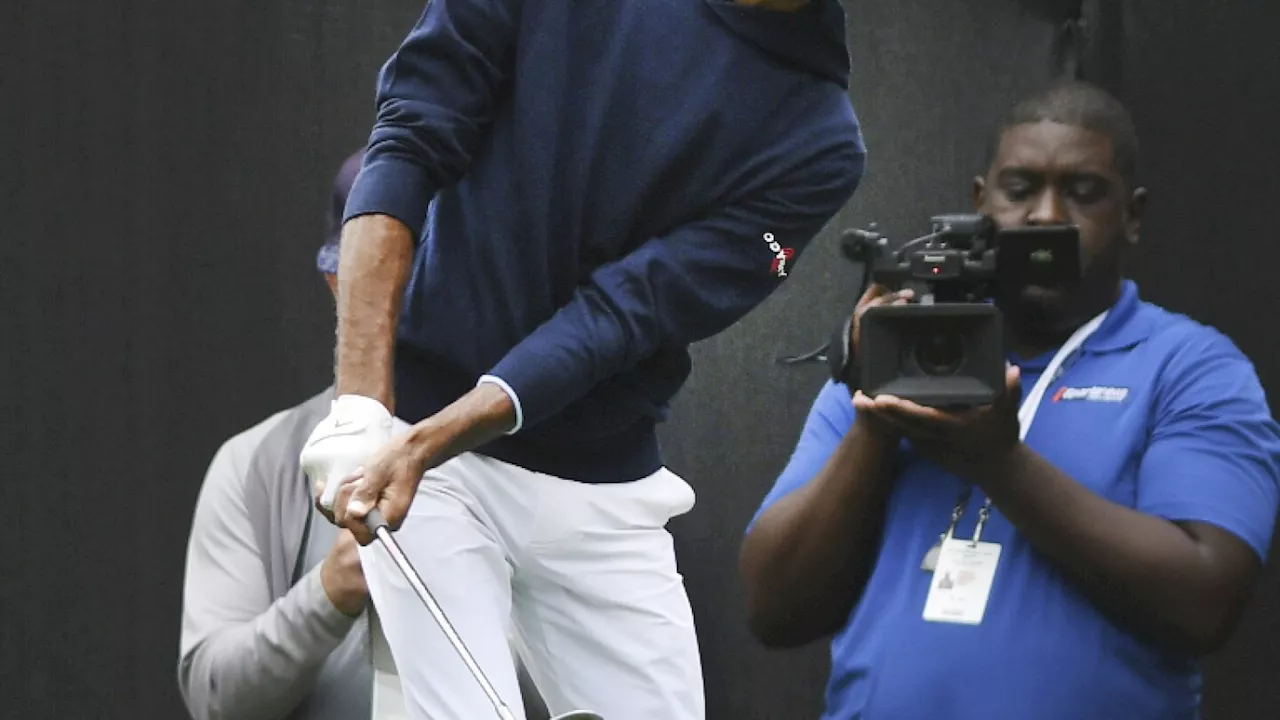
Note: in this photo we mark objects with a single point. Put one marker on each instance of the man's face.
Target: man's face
(1047, 173)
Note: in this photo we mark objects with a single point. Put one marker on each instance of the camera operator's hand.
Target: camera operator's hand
(875, 295)
(962, 442)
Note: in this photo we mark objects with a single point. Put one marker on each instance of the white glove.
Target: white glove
(357, 427)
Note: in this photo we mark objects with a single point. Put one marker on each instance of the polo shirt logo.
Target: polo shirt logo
(1097, 393)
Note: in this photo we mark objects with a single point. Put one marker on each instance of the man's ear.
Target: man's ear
(979, 191)
(1134, 213)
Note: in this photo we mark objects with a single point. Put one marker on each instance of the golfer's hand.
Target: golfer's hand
(388, 480)
(357, 427)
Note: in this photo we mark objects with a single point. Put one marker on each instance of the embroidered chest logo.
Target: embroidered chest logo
(1097, 393)
(781, 256)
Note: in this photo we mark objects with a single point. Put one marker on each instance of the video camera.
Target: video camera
(946, 349)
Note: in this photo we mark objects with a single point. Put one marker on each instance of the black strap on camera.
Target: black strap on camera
(842, 363)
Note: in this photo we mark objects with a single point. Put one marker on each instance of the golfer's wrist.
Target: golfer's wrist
(366, 385)
(515, 413)
(485, 412)
(482, 415)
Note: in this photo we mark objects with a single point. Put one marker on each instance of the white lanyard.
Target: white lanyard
(1031, 403)
(1027, 414)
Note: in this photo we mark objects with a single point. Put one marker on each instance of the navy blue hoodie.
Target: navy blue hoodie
(597, 184)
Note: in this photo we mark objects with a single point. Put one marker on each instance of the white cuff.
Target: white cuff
(515, 399)
(358, 405)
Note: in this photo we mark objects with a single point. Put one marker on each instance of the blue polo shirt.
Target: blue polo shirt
(1157, 413)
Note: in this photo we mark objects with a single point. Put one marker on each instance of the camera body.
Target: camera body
(947, 349)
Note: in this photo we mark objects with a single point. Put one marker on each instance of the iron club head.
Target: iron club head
(578, 715)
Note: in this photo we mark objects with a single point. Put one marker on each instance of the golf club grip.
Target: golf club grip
(375, 522)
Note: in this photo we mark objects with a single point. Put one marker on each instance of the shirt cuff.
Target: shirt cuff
(392, 186)
(515, 399)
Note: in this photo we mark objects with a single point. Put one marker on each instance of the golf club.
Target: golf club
(378, 525)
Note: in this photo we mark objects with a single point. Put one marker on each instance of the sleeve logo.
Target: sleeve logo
(781, 256)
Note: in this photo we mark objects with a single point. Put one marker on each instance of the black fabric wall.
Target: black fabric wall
(1202, 80)
(166, 175)
(164, 172)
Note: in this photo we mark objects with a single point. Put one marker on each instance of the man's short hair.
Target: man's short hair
(1083, 105)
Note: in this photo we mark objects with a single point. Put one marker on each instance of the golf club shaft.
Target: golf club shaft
(378, 525)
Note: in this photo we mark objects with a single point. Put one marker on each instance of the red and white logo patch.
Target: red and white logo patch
(781, 255)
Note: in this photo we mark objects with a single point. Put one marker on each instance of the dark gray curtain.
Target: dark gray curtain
(1201, 78)
(164, 181)
(166, 170)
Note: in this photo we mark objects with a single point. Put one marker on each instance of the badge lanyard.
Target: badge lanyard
(1026, 415)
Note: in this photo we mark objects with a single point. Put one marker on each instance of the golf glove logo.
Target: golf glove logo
(356, 428)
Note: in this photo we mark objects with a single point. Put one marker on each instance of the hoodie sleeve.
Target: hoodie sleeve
(435, 100)
(678, 288)
(244, 655)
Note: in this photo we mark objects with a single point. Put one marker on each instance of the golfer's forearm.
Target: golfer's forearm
(262, 669)
(483, 414)
(377, 254)
(809, 556)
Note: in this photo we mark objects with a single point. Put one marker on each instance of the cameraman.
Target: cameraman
(1123, 536)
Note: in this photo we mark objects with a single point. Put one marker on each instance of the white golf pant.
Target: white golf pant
(582, 577)
(388, 695)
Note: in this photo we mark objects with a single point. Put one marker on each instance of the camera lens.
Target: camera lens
(939, 353)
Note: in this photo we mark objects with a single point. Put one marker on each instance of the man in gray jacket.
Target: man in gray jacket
(273, 621)
(273, 618)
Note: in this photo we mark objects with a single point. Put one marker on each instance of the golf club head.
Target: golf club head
(578, 715)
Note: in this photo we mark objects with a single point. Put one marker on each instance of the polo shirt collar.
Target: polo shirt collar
(1128, 323)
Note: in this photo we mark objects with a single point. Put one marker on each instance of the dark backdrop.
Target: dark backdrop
(166, 175)
(164, 178)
